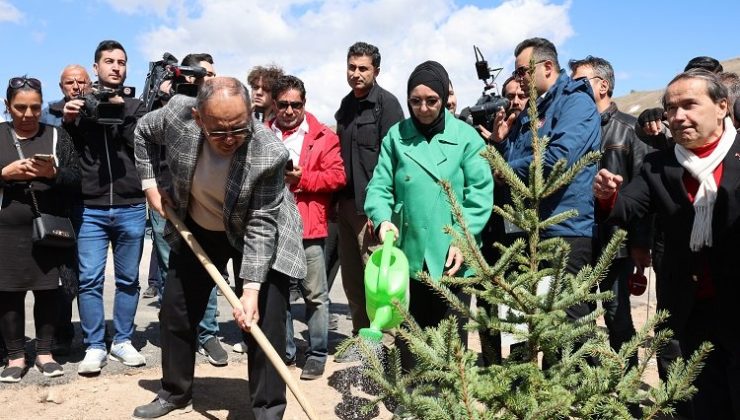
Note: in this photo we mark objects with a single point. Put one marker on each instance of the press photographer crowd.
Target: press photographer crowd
(261, 182)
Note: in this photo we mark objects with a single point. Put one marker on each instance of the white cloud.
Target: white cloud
(9, 13)
(310, 38)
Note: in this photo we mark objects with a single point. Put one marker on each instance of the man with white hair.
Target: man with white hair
(693, 188)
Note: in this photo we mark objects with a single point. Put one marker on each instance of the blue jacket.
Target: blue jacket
(568, 116)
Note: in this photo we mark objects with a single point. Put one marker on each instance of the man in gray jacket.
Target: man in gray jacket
(622, 153)
(228, 187)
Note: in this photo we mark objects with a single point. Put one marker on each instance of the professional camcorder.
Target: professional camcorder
(168, 69)
(99, 108)
(490, 102)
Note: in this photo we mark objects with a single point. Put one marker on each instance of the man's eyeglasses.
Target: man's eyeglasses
(238, 134)
(416, 102)
(520, 71)
(19, 82)
(286, 104)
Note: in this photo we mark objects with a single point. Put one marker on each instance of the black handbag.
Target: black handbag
(48, 230)
(54, 231)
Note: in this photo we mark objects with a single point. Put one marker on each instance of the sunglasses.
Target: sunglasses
(286, 104)
(19, 82)
(238, 134)
(416, 102)
(520, 71)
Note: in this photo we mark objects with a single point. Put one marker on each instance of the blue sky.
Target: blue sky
(647, 41)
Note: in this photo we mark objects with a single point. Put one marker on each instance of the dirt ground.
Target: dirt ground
(219, 392)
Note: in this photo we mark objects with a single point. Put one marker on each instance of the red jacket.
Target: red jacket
(322, 174)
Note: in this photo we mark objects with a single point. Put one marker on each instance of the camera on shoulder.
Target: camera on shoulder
(490, 102)
(180, 78)
(101, 109)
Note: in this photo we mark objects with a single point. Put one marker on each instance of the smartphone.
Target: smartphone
(44, 157)
(289, 165)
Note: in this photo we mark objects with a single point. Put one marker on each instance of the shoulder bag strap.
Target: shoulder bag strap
(35, 206)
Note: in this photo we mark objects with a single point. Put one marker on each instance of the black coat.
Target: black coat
(659, 189)
(622, 154)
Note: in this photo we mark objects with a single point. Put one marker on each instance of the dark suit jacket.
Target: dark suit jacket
(660, 189)
(260, 215)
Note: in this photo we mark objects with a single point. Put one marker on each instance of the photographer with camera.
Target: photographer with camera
(113, 211)
(512, 91)
(74, 82)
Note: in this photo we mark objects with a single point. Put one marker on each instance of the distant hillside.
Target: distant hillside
(637, 101)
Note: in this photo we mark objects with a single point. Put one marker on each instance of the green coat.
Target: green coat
(404, 189)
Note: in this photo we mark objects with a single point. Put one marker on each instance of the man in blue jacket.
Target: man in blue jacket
(569, 118)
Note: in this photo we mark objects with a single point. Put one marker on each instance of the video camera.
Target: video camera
(490, 102)
(100, 109)
(168, 69)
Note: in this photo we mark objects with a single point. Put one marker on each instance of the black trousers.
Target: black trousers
(13, 320)
(429, 309)
(718, 384)
(186, 294)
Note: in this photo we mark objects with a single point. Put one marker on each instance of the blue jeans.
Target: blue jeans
(122, 227)
(315, 294)
(208, 326)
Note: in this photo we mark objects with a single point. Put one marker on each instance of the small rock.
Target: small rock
(55, 395)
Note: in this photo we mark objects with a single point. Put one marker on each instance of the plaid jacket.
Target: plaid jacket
(260, 214)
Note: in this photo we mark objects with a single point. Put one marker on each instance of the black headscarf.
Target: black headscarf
(432, 75)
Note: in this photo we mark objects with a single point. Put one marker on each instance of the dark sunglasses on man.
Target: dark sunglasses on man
(19, 82)
(286, 104)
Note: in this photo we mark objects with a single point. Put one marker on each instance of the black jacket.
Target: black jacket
(659, 190)
(107, 161)
(622, 154)
(361, 125)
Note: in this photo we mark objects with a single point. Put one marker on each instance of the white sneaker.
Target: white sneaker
(240, 347)
(126, 354)
(93, 362)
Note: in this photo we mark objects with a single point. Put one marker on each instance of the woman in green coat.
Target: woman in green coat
(404, 196)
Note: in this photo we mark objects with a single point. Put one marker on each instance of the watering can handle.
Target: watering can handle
(385, 261)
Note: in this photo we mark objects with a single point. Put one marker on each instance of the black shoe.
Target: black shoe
(50, 370)
(313, 369)
(149, 293)
(333, 322)
(13, 374)
(213, 351)
(159, 408)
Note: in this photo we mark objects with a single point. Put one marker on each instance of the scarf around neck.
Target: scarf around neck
(702, 169)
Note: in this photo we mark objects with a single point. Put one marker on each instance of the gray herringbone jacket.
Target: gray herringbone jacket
(260, 214)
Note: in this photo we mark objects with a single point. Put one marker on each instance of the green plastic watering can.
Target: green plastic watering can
(386, 280)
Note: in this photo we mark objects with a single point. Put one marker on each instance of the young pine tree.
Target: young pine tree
(583, 377)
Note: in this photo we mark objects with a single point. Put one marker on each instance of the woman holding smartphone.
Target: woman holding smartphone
(36, 158)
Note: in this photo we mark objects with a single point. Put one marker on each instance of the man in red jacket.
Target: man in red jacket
(317, 172)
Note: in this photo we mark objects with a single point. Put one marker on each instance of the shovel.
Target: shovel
(234, 301)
